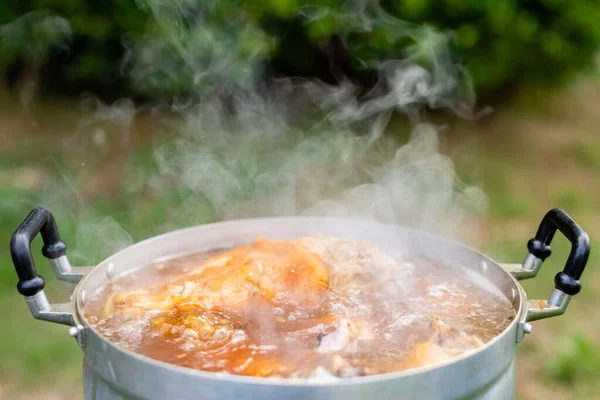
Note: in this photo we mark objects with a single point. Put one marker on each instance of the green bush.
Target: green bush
(508, 42)
(502, 43)
(71, 42)
(172, 47)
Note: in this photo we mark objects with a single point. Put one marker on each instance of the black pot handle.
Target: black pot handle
(566, 281)
(41, 221)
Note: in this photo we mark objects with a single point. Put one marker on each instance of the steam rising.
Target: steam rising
(288, 147)
(254, 165)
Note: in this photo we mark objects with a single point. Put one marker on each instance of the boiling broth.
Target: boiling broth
(382, 312)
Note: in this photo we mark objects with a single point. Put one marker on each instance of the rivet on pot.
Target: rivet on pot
(77, 332)
(82, 297)
(513, 294)
(110, 271)
(484, 267)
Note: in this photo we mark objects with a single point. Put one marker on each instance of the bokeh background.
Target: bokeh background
(91, 89)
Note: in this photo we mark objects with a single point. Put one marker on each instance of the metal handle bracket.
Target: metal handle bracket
(539, 309)
(65, 272)
(40, 307)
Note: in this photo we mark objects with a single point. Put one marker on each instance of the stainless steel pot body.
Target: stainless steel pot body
(112, 372)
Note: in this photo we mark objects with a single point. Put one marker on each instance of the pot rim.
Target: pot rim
(80, 318)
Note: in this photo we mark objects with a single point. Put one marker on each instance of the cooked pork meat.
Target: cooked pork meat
(443, 344)
(272, 271)
(352, 264)
(345, 336)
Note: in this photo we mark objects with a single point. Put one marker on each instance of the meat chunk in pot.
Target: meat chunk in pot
(443, 344)
(268, 270)
(352, 264)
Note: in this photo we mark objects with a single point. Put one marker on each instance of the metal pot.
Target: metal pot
(112, 372)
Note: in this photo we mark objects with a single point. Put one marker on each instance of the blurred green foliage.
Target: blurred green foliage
(579, 359)
(511, 41)
(81, 42)
(167, 47)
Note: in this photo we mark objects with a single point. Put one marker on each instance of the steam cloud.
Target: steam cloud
(292, 147)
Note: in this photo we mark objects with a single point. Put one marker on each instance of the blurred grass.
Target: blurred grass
(526, 162)
(578, 358)
(586, 154)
